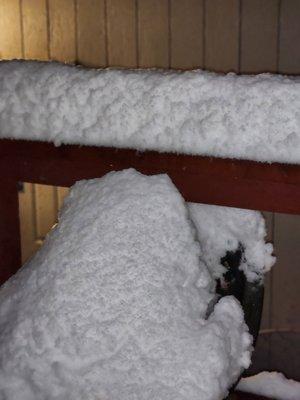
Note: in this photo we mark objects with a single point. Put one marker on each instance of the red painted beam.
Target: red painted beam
(10, 243)
(245, 184)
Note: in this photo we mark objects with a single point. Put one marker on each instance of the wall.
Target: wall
(246, 36)
(223, 35)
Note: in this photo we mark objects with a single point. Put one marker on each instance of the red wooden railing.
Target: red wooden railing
(245, 184)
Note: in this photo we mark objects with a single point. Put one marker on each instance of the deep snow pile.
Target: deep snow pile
(249, 117)
(113, 305)
(222, 229)
(271, 384)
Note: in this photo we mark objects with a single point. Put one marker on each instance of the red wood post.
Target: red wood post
(10, 243)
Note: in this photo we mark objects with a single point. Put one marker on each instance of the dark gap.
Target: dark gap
(22, 28)
(169, 34)
(75, 3)
(278, 35)
(204, 34)
(137, 33)
(240, 36)
(106, 34)
(48, 30)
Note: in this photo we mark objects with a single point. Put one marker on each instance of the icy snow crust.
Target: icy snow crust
(113, 305)
(196, 112)
(222, 229)
(271, 384)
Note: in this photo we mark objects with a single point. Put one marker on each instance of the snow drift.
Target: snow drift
(113, 306)
(271, 384)
(195, 112)
(222, 229)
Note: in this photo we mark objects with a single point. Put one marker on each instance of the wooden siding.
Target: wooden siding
(121, 33)
(221, 32)
(90, 23)
(34, 29)
(259, 35)
(246, 36)
(187, 34)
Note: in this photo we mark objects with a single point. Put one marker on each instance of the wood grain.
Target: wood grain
(62, 30)
(61, 194)
(45, 208)
(153, 33)
(35, 29)
(286, 273)
(259, 35)
(187, 34)
(91, 33)
(222, 35)
(10, 29)
(122, 33)
(289, 49)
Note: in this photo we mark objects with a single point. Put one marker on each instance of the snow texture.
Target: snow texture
(222, 229)
(271, 384)
(113, 306)
(193, 112)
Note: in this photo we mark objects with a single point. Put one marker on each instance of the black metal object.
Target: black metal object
(249, 294)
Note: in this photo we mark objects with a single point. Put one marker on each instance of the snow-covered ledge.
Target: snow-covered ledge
(204, 179)
(242, 117)
(193, 112)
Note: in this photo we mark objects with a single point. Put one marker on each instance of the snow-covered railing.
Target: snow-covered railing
(249, 118)
(157, 114)
(244, 184)
(193, 112)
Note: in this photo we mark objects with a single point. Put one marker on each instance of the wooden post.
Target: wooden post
(10, 244)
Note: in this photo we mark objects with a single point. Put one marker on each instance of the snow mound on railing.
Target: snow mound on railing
(113, 306)
(194, 112)
(271, 384)
(222, 229)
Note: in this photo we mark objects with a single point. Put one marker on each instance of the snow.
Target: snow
(271, 384)
(113, 306)
(194, 112)
(222, 229)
